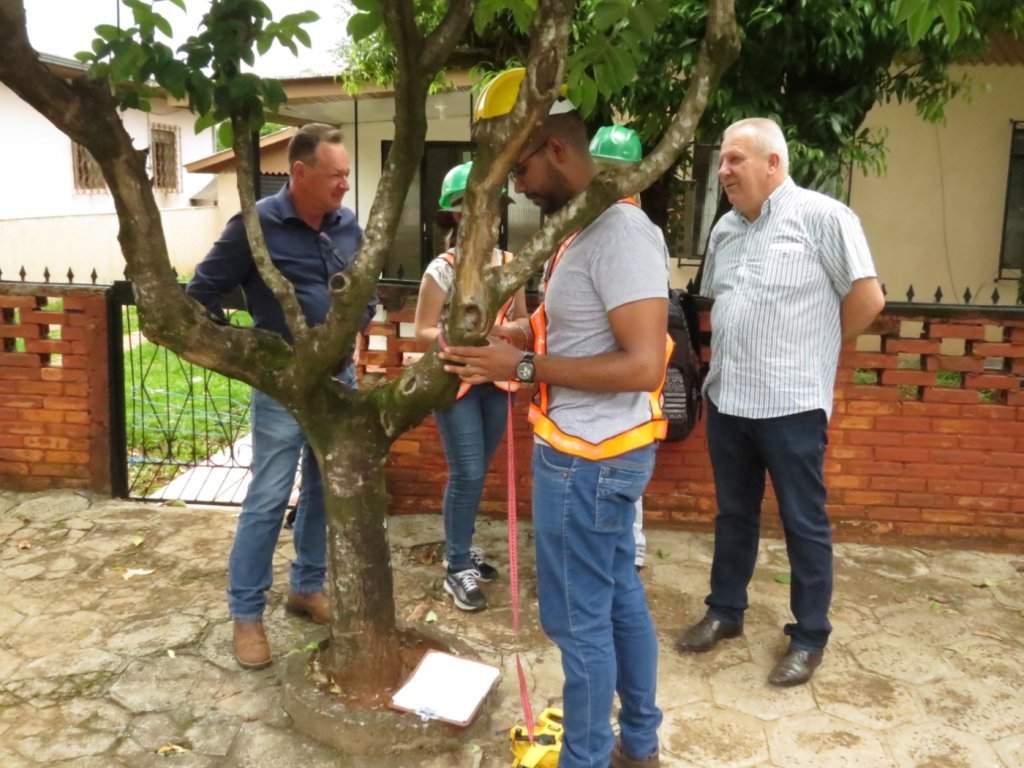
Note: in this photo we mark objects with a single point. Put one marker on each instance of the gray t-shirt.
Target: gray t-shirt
(620, 258)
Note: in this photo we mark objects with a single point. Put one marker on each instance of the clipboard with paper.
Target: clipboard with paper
(446, 688)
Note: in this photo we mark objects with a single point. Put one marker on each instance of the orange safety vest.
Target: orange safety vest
(508, 386)
(545, 428)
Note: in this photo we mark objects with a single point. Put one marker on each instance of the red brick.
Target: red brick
(20, 454)
(63, 403)
(918, 410)
(996, 349)
(901, 484)
(1003, 489)
(39, 388)
(870, 392)
(949, 363)
(902, 424)
(21, 401)
(869, 408)
(918, 378)
(67, 457)
(991, 381)
(46, 442)
(946, 516)
(874, 438)
(870, 498)
(963, 458)
(903, 454)
(60, 470)
(988, 443)
(949, 395)
(924, 530)
(963, 426)
(17, 302)
(852, 422)
(988, 504)
(953, 331)
(13, 468)
(19, 360)
(894, 513)
(928, 440)
(870, 468)
(836, 482)
(955, 487)
(1005, 459)
(44, 416)
(923, 500)
(869, 360)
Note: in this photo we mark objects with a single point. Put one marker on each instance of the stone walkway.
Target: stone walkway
(115, 651)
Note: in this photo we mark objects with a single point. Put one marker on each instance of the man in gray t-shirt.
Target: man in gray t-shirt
(599, 362)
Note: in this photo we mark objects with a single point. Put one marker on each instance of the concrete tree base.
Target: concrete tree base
(363, 732)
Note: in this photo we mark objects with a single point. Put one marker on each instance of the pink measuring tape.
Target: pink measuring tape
(513, 567)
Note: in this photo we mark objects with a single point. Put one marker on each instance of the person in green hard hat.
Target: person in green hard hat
(472, 428)
(620, 145)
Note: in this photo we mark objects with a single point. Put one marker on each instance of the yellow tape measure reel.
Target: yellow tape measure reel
(547, 742)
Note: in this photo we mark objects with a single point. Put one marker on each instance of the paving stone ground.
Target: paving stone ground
(115, 650)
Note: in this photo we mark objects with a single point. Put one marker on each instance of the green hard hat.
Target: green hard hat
(454, 185)
(616, 144)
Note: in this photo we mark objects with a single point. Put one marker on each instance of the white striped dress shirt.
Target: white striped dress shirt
(778, 284)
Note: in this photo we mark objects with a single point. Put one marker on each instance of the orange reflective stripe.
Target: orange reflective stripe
(643, 434)
(637, 437)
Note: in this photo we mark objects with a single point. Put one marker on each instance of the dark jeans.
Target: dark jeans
(792, 451)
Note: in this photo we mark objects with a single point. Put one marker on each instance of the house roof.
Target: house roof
(1003, 50)
(225, 159)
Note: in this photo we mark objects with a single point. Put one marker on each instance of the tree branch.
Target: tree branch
(720, 48)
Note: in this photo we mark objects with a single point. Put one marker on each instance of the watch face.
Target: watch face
(525, 371)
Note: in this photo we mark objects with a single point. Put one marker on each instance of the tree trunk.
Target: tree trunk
(363, 658)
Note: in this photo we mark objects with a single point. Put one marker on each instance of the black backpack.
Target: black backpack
(685, 373)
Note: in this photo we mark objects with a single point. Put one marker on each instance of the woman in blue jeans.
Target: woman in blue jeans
(472, 428)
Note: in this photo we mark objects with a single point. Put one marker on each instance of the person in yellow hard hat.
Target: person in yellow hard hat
(599, 362)
(473, 427)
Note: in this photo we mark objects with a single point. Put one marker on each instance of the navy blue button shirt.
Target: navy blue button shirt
(306, 257)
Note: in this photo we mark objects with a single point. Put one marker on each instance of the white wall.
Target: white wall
(935, 218)
(45, 222)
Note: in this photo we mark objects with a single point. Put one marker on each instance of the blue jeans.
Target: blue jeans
(792, 451)
(592, 603)
(278, 447)
(470, 432)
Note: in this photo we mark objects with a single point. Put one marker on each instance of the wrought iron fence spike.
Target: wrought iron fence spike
(71, 276)
(995, 296)
(94, 276)
(910, 293)
(967, 296)
(938, 295)
(23, 273)
(46, 274)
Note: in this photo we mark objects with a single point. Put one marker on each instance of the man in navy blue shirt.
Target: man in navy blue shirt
(310, 237)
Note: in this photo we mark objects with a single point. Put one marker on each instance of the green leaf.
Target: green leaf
(180, 4)
(783, 578)
(919, 23)
(108, 31)
(641, 22)
(607, 14)
(362, 25)
(367, 6)
(950, 12)
(163, 25)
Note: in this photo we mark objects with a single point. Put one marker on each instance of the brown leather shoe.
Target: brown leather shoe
(621, 760)
(795, 668)
(705, 634)
(315, 606)
(252, 650)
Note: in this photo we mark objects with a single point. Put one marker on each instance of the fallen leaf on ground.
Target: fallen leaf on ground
(136, 572)
(431, 618)
(137, 541)
(171, 653)
(783, 578)
(24, 544)
(170, 749)
(990, 635)
(984, 583)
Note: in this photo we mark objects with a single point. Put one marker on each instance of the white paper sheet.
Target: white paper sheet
(446, 687)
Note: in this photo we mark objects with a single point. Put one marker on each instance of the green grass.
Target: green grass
(177, 414)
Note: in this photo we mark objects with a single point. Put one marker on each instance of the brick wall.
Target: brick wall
(926, 440)
(54, 404)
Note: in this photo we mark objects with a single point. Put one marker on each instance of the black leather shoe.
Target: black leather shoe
(705, 634)
(795, 668)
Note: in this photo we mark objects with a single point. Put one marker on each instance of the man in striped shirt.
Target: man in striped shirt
(792, 279)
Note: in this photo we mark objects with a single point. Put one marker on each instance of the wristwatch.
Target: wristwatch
(526, 371)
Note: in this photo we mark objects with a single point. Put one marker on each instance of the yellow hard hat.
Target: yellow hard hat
(499, 96)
